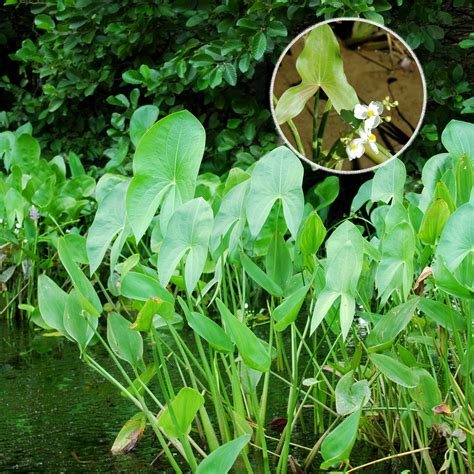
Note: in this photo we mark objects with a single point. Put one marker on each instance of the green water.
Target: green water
(56, 415)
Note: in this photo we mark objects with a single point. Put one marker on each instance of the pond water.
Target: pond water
(57, 415)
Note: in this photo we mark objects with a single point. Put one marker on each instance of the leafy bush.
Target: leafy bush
(112, 58)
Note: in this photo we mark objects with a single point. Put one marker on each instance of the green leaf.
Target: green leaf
(85, 291)
(130, 434)
(337, 446)
(138, 286)
(185, 405)
(152, 307)
(326, 192)
(464, 176)
(458, 139)
(447, 281)
(223, 458)
(395, 371)
(426, 394)
(44, 22)
(350, 395)
(390, 325)
(287, 312)
(230, 73)
(259, 276)
(434, 221)
(388, 182)
(278, 176)
(209, 330)
(188, 234)
(109, 221)
(395, 270)
(442, 314)
(312, 234)
(26, 153)
(142, 119)
(278, 261)
(127, 344)
(231, 215)
(252, 350)
(457, 239)
(78, 323)
(52, 303)
(166, 164)
(319, 65)
(258, 45)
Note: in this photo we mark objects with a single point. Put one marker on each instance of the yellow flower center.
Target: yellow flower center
(372, 137)
(353, 147)
(370, 113)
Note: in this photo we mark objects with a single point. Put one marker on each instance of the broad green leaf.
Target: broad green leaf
(26, 153)
(426, 394)
(287, 312)
(52, 303)
(138, 286)
(259, 276)
(457, 239)
(391, 325)
(78, 323)
(337, 446)
(326, 192)
(76, 244)
(210, 331)
(188, 234)
(185, 405)
(127, 344)
(130, 434)
(363, 195)
(278, 176)
(152, 307)
(395, 270)
(350, 395)
(85, 291)
(388, 182)
(231, 215)
(323, 304)
(258, 45)
(223, 458)
(458, 139)
(312, 234)
(252, 350)
(442, 314)
(434, 221)
(278, 261)
(395, 371)
(319, 65)
(165, 164)
(432, 172)
(448, 282)
(109, 221)
(142, 119)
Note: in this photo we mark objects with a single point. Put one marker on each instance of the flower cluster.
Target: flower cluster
(370, 114)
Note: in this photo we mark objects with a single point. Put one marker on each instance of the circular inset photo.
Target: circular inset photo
(348, 95)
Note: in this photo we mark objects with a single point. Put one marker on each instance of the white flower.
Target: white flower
(18, 226)
(368, 137)
(369, 113)
(355, 149)
(1, 221)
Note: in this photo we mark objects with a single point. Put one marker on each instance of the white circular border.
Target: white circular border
(313, 165)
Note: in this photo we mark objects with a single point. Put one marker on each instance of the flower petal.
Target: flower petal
(376, 107)
(371, 122)
(373, 147)
(360, 111)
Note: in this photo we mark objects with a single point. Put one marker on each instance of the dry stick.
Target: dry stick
(386, 459)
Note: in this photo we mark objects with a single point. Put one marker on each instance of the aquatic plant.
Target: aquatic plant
(365, 328)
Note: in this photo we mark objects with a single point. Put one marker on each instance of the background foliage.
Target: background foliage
(215, 58)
